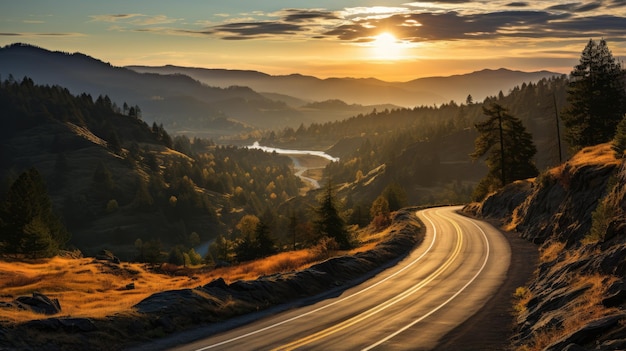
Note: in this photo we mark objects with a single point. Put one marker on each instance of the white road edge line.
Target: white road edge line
(432, 243)
(445, 302)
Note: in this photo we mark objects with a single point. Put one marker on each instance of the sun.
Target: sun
(386, 46)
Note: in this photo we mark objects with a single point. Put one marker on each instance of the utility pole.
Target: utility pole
(558, 128)
(501, 146)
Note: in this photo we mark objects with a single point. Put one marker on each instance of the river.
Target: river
(300, 166)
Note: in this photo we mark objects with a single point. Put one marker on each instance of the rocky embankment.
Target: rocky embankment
(576, 213)
(172, 311)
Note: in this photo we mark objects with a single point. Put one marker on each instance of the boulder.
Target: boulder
(106, 255)
(39, 303)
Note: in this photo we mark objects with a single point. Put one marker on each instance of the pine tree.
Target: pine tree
(264, 243)
(509, 149)
(329, 222)
(596, 97)
(27, 222)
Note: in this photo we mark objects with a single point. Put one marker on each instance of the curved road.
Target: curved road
(410, 306)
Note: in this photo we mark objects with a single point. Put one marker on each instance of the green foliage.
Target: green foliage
(380, 212)
(247, 225)
(619, 141)
(112, 206)
(258, 245)
(27, 222)
(329, 223)
(596, 97)
(103, 180)
(508, 147)
(360, 215)
(264, 242)
(194, 257)
(176, 256)
(151, 251)
(601, 217)
(221, 250)
(396, 196)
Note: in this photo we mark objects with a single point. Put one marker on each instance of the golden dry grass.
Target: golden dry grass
(550, 251)
(522, 296)
(84, 287)
(89, 288)
(584, 309)
(601, 154)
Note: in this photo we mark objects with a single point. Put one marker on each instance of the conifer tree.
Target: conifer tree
(27, 223)
(329, 222)
(264, 243)
(509, 149)
(596, 97)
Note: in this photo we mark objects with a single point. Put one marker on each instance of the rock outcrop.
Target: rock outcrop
(37, 303)
(577, 299)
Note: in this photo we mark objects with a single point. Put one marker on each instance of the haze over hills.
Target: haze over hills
(181, 103)
(215, 103)
(422, 91)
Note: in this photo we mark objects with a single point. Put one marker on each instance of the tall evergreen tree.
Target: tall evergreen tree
(509, 149)
(329, 222)
(264, 242)
(596, 96)
(27, 222)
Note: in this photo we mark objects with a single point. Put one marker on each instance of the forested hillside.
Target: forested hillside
(426, 150)
(115, 181)
(102, 162)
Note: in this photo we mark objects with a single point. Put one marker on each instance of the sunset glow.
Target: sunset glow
(323, 38)
(386, 47)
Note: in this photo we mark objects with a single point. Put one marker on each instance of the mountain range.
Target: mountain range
(417, 92)
(216, 103)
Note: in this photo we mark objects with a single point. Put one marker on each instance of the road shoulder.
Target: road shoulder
(492, 327)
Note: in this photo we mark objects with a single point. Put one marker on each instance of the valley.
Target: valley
(304, 192)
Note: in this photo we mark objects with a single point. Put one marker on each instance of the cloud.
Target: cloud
(453, 25)
(113, 18)
(297, 15)
(249, 30)
(41, 35)
(576, 7)
(134, 19)
(287, 23)
(450, 20)
(517, 4)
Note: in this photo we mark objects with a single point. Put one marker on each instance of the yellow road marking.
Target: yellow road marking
(371, 312)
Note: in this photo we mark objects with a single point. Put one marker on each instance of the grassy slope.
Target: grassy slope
(87, 287)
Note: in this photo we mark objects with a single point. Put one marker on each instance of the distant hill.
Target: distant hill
(180, 102)
(422, 91)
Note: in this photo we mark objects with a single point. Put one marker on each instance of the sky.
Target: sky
(388, 40)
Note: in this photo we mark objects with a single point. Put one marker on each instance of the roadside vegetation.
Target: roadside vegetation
(92, 288)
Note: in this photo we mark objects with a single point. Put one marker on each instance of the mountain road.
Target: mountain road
(410, 306)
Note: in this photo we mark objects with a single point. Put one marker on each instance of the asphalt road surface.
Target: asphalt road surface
(411, 306)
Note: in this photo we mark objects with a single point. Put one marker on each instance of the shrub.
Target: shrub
(112, 206)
